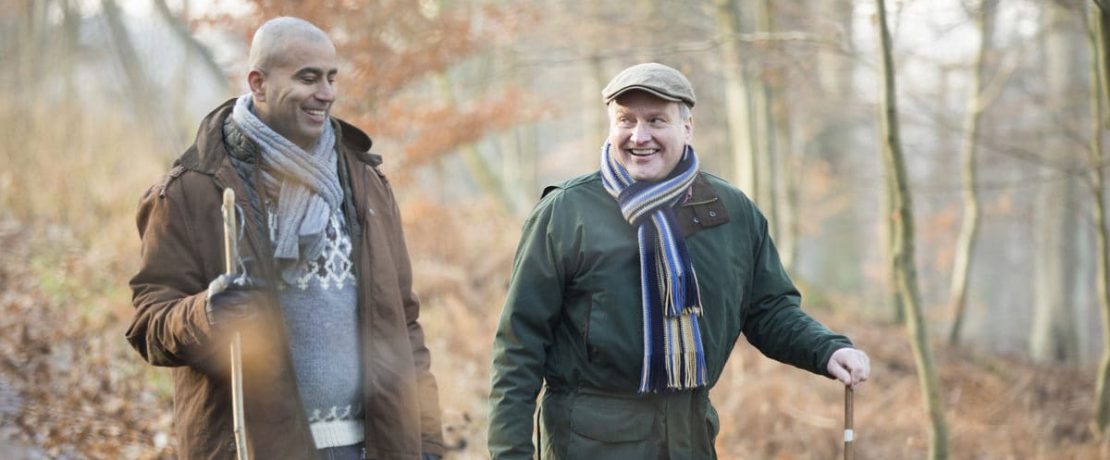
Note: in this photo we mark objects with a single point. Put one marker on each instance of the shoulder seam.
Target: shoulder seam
(568, 184)
(168, 178)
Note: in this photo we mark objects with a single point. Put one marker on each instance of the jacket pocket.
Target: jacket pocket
(613, 340)
(605, 427)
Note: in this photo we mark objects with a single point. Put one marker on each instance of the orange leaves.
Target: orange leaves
(69, 387)
(396, 58)
(388, 53)
(427, 130)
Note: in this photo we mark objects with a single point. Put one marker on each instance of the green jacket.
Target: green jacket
(572, 319)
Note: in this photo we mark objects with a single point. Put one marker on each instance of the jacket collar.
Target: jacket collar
(209, 149)
(702, 209)
(700, 192)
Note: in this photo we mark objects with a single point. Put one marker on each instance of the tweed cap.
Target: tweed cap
(657, 79)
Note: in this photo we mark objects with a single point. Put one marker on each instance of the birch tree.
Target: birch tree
(1054, 334)
(902, 250)
(969, 230)
(1099, 37)
(764, 123)
(737, 98)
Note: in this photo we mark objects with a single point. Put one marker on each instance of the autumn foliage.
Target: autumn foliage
(430, 80)
(396, 81)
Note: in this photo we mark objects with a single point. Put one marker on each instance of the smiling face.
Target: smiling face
(648, 134)
(294, 93)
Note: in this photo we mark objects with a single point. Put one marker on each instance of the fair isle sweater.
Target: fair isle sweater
(321, 318)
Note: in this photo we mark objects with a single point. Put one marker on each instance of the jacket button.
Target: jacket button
(697, 221)
(231, 446)
(712, 213)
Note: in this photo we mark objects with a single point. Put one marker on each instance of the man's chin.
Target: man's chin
(641, 177)
(312, 132)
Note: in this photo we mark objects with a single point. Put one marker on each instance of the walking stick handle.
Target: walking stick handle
(849, 432)
(231, 242)
(231, 259)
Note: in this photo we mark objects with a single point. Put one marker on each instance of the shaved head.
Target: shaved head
(292, 78)
(271, 40)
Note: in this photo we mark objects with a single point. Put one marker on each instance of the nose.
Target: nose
(640, 134)
(326, 92)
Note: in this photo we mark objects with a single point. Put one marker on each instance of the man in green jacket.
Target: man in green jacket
(629, 289)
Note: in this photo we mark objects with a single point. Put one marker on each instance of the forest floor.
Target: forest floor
(70, 387)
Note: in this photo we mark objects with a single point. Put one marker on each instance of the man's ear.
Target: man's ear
(257, 82)
(688, 127)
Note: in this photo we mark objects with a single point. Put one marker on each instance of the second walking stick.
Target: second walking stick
(849, 433)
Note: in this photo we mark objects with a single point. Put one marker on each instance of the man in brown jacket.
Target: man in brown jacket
(334, 360)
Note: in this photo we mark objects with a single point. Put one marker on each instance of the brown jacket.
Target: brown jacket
(182, 251)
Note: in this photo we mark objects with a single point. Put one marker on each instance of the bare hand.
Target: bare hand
(850, 366)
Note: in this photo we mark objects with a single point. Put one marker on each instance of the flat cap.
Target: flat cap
(654, 78)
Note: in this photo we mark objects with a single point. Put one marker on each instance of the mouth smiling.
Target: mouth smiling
(642, 152)
(317, 115)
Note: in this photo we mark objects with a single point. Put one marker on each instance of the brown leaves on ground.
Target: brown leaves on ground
(70, 387)
(996, 407)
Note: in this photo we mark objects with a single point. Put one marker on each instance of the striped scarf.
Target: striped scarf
(673, 355)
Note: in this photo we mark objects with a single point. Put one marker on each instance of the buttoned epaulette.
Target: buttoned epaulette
(174, 173)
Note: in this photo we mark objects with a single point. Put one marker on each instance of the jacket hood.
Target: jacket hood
(208, 150)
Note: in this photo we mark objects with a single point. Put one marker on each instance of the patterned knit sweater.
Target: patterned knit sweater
(321, 318)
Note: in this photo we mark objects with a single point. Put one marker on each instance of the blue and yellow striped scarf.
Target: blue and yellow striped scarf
(674, 358)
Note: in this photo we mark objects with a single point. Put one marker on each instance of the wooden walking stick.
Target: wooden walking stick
(231, 259)
(849, 433)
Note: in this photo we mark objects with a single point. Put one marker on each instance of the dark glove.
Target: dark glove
(429, 457)
(232, 300)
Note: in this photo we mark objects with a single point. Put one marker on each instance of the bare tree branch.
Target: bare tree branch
(185, 35)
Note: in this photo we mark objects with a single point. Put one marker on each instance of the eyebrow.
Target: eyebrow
(316, 71)
(649, 114)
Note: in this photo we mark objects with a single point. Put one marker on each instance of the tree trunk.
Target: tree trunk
(479, 168)
(1102, 26)
(765, 149)
(890, 230)
(71, 49)
(192, 46)
(484, 175)
(520, 153)
(141, 88)
(1099, 19)
(650, 21)
(787, 193)
(902, 260)
(737, 107)
(969, 232)
(1054, 331)
(845, 243)
(517, 147)
(1055, 248)
(595, 130)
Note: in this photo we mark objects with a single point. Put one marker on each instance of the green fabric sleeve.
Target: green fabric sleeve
(775, 323)
(525, 333)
